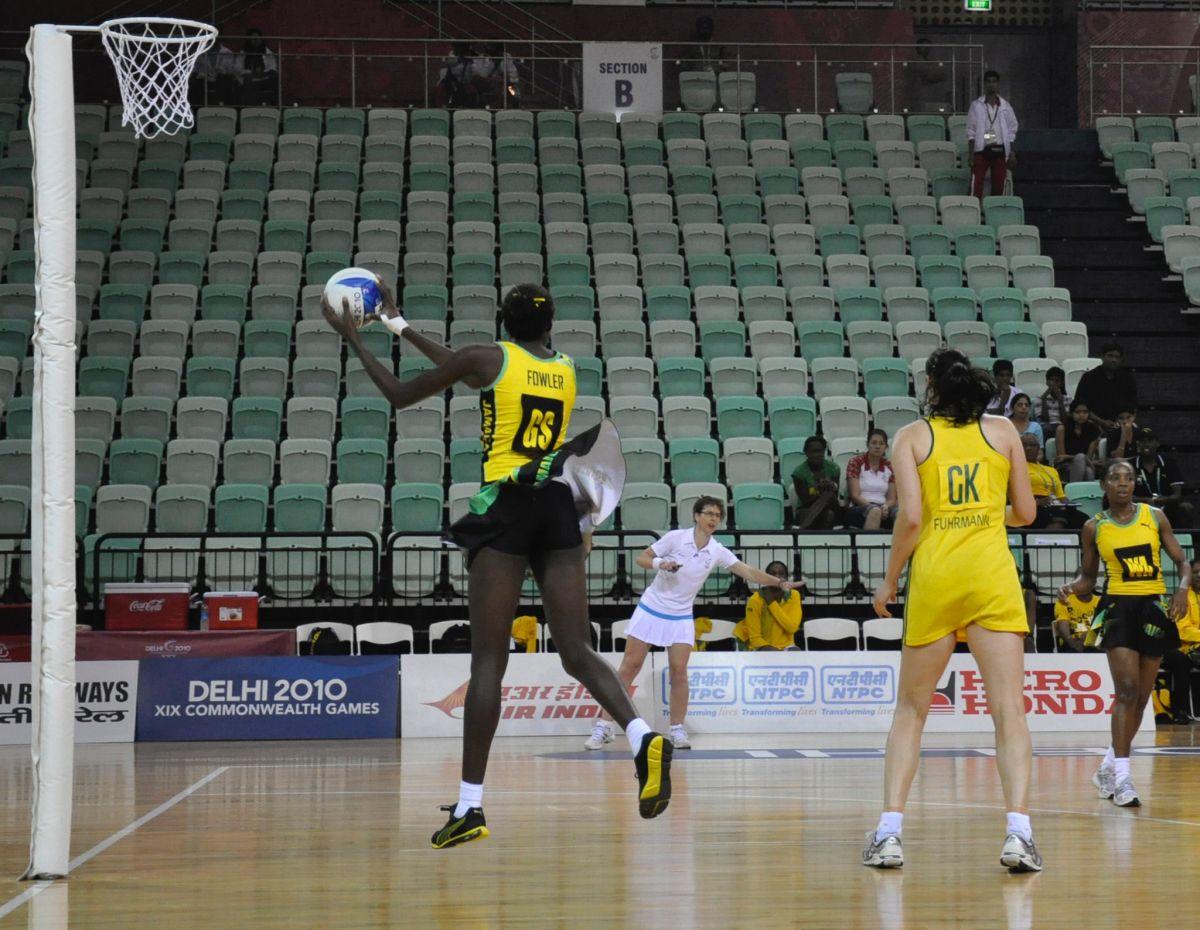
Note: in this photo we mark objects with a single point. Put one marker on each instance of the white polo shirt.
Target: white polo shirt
(672, 594)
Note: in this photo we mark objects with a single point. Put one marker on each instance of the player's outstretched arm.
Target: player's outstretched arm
(473, 364)
(434, 351)
(906, 528)
(1183, 568)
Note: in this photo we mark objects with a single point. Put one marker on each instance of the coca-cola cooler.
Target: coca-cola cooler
(154, 606)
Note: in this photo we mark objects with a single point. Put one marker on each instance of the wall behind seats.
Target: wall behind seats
(1156, 83)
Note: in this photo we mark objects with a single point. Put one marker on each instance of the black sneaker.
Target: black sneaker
(653, 763)
(470, 826)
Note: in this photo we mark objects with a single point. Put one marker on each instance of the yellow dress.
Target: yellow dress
(1077, 614)
(525, 412)
(1131, 553)
(962, 571)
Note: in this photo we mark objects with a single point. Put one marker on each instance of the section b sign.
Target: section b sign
(622, 77)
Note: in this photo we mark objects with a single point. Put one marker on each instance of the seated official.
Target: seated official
(1053, 509)
(772, 616)
(1072, 621)
(1183, 661)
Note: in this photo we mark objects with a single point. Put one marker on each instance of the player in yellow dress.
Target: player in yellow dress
(1135, 623)
(522, 518)
(955, 471)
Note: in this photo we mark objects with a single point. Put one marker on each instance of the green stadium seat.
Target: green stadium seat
(416, 507)
(240, 508)
(792, 417)
(694, 459)
(362, 461)
(135, 461)
(758, 506)
(257, 418)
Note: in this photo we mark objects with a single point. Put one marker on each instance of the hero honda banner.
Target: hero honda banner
(105, 702)
(622, 77)
(776, 692)
(537, 698)
(308, 697)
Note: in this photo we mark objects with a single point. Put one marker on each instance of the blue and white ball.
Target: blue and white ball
(361, 288)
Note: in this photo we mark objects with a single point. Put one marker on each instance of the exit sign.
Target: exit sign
(977, 6)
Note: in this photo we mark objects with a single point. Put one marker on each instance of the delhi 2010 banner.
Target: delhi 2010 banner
(622, 77)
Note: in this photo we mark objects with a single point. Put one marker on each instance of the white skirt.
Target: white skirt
(658, 630)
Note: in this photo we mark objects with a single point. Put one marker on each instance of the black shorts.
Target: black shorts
(522, 520)
(1138, 622)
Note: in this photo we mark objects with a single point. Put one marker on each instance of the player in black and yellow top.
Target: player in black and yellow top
(527, 392)
(955, 471)
(1135, 622)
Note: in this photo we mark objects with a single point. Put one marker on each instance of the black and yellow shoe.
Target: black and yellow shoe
(653, 763)
(470, 826)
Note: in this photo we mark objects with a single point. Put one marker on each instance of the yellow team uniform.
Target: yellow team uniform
(773, 625)
(1189, 624)
(962, 571)
(1044, 481)
(525, 412)
(1131, 553)
(1077, 614)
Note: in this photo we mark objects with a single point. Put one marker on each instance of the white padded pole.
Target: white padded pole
(52, 129)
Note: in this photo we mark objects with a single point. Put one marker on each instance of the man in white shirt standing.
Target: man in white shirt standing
(682, 559)
(992, 132)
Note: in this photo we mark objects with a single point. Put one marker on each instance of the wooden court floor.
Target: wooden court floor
(763, 832)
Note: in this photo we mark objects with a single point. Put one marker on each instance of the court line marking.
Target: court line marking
(38, 887)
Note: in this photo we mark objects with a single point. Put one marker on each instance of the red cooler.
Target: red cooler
(146, 606)
(229, 610)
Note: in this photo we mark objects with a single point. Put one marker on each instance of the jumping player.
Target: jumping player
(954, 470)
(683, 560)
(519, 520)
(1134, 623)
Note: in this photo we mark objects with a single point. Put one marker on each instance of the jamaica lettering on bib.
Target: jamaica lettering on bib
(1137, 563)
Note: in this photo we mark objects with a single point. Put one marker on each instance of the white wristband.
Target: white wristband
(397, 324)
(656, 563)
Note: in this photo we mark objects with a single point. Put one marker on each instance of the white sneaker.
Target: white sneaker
(1125, 795)
(602, 734)
(1105, 782)
(1020, 855)
(679, 737)
(886, 853)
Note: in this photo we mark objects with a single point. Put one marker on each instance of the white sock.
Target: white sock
(468, 796)
(1019, 824)
(636, 730)
(890, 824)
(1121, 769)
(1108, 759)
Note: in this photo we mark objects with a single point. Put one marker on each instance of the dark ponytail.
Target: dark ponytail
(957, 391)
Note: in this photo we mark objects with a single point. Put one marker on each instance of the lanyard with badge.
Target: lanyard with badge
(992, 148)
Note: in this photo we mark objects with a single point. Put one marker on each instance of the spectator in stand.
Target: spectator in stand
(815, 481)
(1021, 408)
(1054, 404)
(1157, 482)
(928, 81)
(214, 79)
(257, 70)
(1077, 445)
(454, 80)
(1183, 661)
(772, 615)
(1053, 510)
(1122, 442)
(1006, 391)
(1073, 620)
(992, 134)
(706, 55)
(871, 486)
(494, 76)
(1108, 388)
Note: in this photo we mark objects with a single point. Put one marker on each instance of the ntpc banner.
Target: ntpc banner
(105, 702)
(537, 697)
(823, 692)
(299, 697)
(622, 77)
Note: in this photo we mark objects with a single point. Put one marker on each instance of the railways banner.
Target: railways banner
(308, 697)
(822, 692)
(105, 702)
(537, 699)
